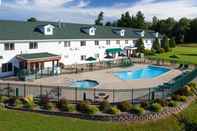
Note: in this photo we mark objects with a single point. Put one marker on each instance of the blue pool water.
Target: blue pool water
(84, 84)
(144, 73)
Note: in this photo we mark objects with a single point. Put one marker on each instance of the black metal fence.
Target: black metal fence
(96, 95)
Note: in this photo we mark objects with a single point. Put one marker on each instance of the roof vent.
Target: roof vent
(142, 33)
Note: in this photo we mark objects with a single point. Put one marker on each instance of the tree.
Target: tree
(108, 23)
(32, 19)
(100, 19)
(140, 20)
(165, 44)
(140, 46)
(181, 29)
(156, 45)
(172, 43)
(125, 20)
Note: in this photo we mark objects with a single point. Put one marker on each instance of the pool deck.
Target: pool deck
(107, 80)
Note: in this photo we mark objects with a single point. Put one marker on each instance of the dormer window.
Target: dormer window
(46, 29)
(142, 34)
(156, 34)
(89, 30)
(120, 32)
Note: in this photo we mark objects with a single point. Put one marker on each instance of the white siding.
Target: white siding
(69, 55)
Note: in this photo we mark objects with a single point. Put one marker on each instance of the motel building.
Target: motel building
(43, 46)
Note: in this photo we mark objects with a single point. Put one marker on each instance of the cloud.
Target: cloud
(80, 11)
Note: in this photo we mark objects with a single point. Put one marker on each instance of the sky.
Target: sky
(86, 11)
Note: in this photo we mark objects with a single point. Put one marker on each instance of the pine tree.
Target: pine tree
(172, 43)
(100, 18)
(140, 46)
(156, 45)
(165, 44)
(32, 19)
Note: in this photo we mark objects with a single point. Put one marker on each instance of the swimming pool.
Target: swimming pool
(84, 84)
(144, 73)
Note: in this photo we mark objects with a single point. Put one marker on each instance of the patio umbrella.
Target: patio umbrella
(90, 59)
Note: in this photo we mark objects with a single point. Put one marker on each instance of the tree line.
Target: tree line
(183, 30)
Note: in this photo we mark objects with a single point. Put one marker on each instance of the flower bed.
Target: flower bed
(105, 111)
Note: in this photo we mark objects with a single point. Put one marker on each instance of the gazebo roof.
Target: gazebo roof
(45, 56)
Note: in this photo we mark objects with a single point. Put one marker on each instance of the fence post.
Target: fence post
(113, 95)
(132, 96)
(94, 95)
(75, 95)
(149, 94)
(58, 94)
(24, 90)
(8, 89)
(41, 91)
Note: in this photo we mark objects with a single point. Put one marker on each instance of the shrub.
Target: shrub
(137, 110)
(162, 50)
(18, 103)
(44, 100)
(183, 98)
(161, 102)
(48, 106)
(3, 99)
(83, 106)
(186, 91)
(155, 107)
(149, 52)
(124, 106)
(104, 106)
(113, 110)
(172, 104)
(176, 97)
(70, 108)
(192, 85)
(144, 105)
(11, 101)
(63, 105)
(92, 110)
(29, 102)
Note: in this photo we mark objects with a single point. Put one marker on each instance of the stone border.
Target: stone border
(125, 117)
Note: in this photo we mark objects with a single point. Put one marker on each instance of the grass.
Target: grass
(185, 55)
(24, 121)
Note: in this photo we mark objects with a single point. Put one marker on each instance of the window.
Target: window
(83, 57)
(7, 67)
(83, 43)
(66, 43)
(96, 43)
(134, 41)
(107, 42)
(146, 41)
(126, 42)
(9, 46)
(48, 29)
(33, 45)
(118, 42)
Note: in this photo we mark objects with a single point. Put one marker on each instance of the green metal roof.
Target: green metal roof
(32, 56)
(18, 30)
(113, 50)
(90, 59)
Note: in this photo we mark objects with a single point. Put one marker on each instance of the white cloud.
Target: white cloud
(81, 13)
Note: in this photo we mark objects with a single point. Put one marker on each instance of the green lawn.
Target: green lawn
(20, 121)
(185, 54)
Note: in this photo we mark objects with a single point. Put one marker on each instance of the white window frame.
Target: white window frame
(67, 43)
(33, 45)
(10, 46)
(83, 43)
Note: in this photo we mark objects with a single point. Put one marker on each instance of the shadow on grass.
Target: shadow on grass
(189, 54)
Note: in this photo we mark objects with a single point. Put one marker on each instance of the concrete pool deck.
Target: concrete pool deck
(107, 80)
